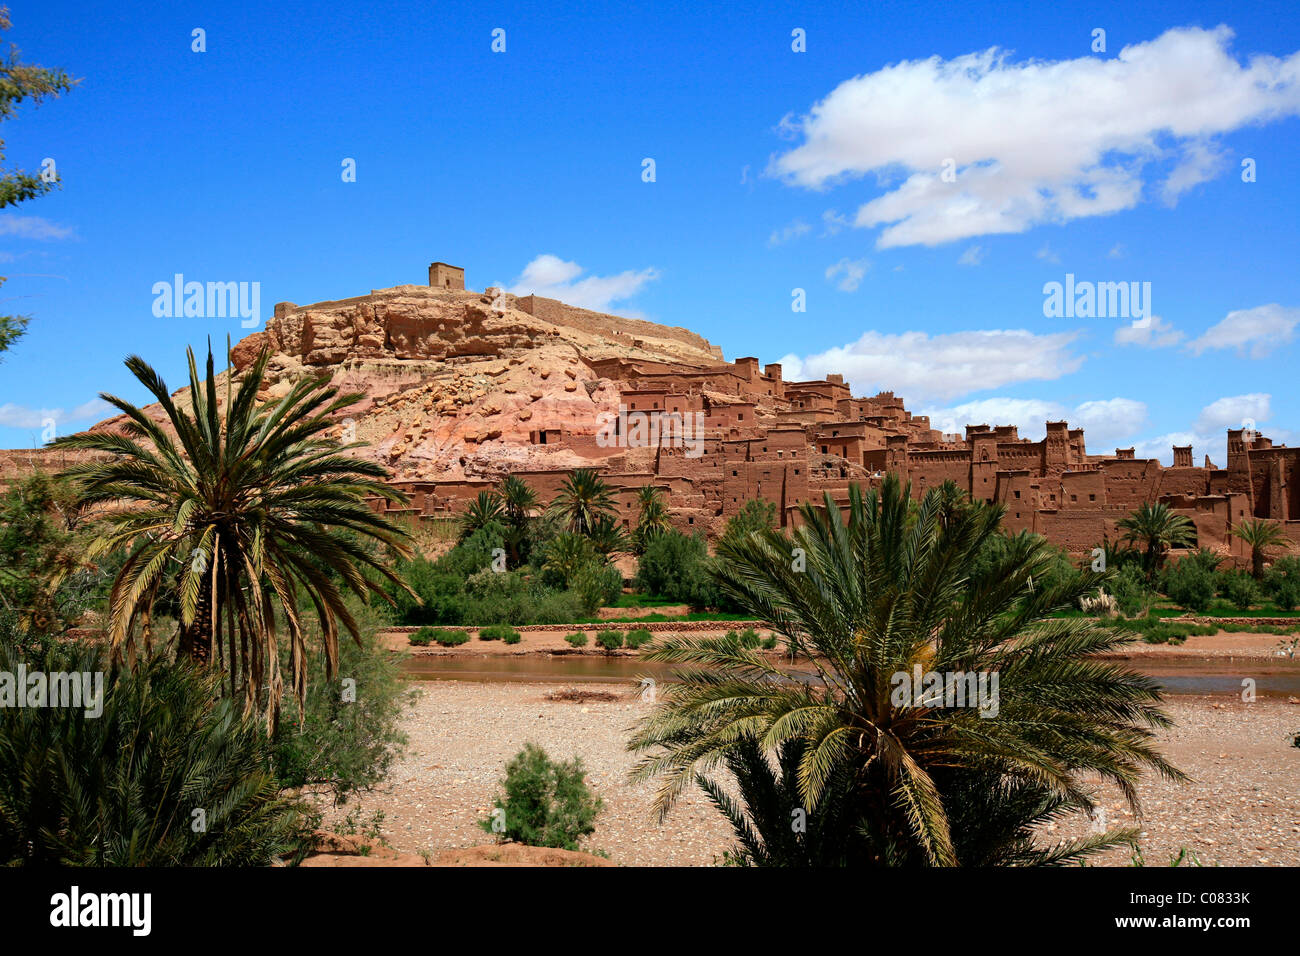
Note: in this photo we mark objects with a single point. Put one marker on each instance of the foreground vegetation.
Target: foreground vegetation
(895, 587)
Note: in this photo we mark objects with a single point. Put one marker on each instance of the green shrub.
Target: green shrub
(1189, 584)
(1283, 583)
(638, 636)
(610, 640)
(1240, 588)
(577, 639)
(678, 568)
(598, 584)
(498, 632)
(545, 803)
(1155, 630)
(349, 732)
(756, 514)
(748, 638)
(1128, 586)
(768, 643)
(444, 636)
(121, 788)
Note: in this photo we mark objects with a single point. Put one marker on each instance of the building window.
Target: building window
(1092, 497)
(1017, 495)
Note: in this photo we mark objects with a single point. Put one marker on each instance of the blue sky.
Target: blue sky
(775, 170)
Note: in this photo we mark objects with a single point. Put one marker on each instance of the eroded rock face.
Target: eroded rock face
(457, 385)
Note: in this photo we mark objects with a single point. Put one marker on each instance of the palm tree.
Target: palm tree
(652, 516)
(608, 537)
(251, 507)
(566, 555)
(518, 502)
(485, 510)
(1157, 529)
(517, 498)
(583, 497)
(884, 592)
(1259, 535)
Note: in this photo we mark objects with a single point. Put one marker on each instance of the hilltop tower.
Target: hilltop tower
(444, 276)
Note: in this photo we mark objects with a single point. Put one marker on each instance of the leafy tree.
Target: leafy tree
(18, 82)
(886, 588)
(1190, 584)
(252, 504)
(583, 498)
(1241, 589)
(349, 732)
(1157, 528)
(1283, 583)
(1131, 590)
(1260, 536)
(756, 514)
(675, 567)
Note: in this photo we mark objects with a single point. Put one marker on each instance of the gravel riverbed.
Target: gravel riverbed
(1242, 806)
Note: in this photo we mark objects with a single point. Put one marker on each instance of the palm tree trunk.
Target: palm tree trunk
(196, 640)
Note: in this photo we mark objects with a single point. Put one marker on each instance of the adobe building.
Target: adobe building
(445, 366)
(444, 276)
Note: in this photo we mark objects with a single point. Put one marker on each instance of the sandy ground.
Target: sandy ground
(1241, 808)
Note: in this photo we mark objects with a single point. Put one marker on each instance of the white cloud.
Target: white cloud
(1162, 447)
(1110, 420)
(1047, 255)
(923, 367)
(1153, 333)
(1200, 163)
(1234, 411)
(1034, 141)
(20, 416)
(1209, 434)
(833, 222)
(33, 227)
(972, 256)
(796, 230)
(1255, 332)
(1104, 421)
(1116, 251)
(554, 278)
(852, 271)
(1026, 413)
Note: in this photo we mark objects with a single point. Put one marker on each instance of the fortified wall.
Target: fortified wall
(460, 388)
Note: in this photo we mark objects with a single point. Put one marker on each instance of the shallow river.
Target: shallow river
(1209, 675)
